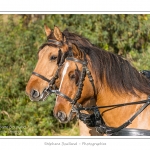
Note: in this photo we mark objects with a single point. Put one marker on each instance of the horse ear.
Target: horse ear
(57, 33)
(47, 30)
(76, 52)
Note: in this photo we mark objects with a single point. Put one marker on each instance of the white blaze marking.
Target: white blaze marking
(63, 74)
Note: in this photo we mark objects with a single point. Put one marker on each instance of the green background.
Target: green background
(20, 38)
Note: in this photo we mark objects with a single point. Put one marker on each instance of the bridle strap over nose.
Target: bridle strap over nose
(63, 96)
(42, 77)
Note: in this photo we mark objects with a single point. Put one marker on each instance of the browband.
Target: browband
(76, 60)
(55, 42)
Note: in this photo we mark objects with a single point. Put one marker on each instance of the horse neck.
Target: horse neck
(120, 115)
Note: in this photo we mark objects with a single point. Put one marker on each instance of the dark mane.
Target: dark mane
(120, 75)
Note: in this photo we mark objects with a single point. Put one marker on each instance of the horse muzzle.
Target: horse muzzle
(62, 116)
(35, 95)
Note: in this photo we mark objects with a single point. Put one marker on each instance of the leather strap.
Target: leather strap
(40, 76)
(77, 60)
(55, 42)
(63, 96)
(132, 132)
(130, 120)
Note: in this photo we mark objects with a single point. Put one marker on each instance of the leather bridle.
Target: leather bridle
(51, 88)
(85, 71)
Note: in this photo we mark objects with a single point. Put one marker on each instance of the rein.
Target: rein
(95, 119)
(100, 125)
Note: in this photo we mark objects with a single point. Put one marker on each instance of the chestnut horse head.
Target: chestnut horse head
(110, 80)
(71, 76)
(45, 72)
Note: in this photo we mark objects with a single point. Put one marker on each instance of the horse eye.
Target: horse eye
(53, 57)
(72, 76)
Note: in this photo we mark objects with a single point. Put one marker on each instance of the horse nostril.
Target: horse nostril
(35, 93)
(61, 115)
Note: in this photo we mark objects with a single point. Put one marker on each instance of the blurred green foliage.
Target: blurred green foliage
(20, 38)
